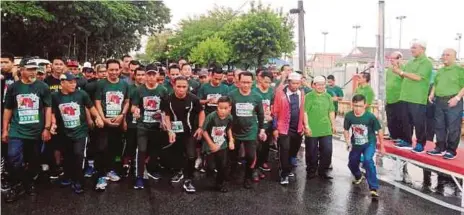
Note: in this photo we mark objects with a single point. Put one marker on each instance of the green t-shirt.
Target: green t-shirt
(318, 106)
(268, 100)
(417, 91)
(368, 93)
(217, 130)
(275, 83)
(112, 96)
(208, 91)
(194, 85)
(363, 128)
(149, 101)
(27, 101)
(449, 81)
(335, 91)
(393, 87)
(169, 87)
(131, 121)
(70, 114)
(248, 115)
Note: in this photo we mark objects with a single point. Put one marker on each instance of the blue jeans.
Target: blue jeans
(23, 160)
(368, 151)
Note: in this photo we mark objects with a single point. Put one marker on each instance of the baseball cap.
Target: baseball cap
(87, 65)
(294, 76)
(151, 68)
(202, 73)
(72, 63)
(67, 76)
(41, 69)
(29, 63)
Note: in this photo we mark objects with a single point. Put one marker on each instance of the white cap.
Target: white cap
(422, 43)
(319, 79)
(87, 65)
(294, 76)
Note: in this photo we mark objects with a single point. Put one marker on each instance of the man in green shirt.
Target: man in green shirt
(267, 93)
(210, 92)
(131, 133)
(413, 96)
(320, 121)
(447, 94)
(186, 71)
(26, 122)
(146, 100)
(112, 102)
(173, 73)
(364, 88)
(248, 115)
(69, 124)
(335, 91)
(393, 105)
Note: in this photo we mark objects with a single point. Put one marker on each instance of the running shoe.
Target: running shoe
(436, 152)
(284, 181)
(265, 167)
(177, 177)
(449, 156)
(77, 188)
(403, 145)
(418, 149)
(188, 186)
(154, 175)
(101, 184)
(113, 176)
(358, 181)
(138, 183)
(89, 171)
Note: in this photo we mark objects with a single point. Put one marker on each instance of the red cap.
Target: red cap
(72, 63)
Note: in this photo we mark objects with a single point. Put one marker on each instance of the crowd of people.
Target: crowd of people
(122, 119)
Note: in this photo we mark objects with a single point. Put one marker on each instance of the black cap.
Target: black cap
(29, 63)
(67, 76)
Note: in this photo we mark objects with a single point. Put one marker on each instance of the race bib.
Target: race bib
(360, 133)
(70, 112)
(151, 116)
(218, 135)
(213, 96)
(114, 101)
(267, 108)
(28, 108)
(244, 109)
(177, 126)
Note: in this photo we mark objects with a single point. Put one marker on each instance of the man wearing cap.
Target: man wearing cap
(26, 122)
(89, 73)
(146, 100)
(41, 73)
(112, 103)
(69, 124)
(414, 89)
(131, 133)
(447, 94)
(248, 121)
(288, 112)
(320, 118)
(393, 106)
(203, 77)
(73, 66)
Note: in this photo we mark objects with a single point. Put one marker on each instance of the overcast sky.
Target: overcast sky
(436, 22)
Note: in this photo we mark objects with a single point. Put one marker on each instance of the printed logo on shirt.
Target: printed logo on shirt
(70, 112)
(114, 101)
(360, 134)
(7, 84)
(244, 109)
(28, 108)
(213, 96)
(151, 106)
(267, 108)
(55, 88)
(218, 134)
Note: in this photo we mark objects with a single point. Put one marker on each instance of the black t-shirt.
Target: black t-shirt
(53, 84)
(8, 79)
(181, 110)
(91, 87)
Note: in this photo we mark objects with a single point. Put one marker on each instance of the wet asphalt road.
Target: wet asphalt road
(303, 197)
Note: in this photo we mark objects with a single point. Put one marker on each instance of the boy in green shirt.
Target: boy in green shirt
(335, 91)
(320, 121)
(363, 141)
(365, 89)
(217, 133)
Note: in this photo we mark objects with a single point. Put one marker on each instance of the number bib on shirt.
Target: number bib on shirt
(218, 135)
(114, 101)
(213, 96)
(28, 108)
(70, 112)
(177, 126)
(151, 105)
(244, 109)
(360, 133)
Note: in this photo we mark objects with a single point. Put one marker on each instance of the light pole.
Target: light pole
(458, 38)
(401, 28)
(323, 57)
(356, 27)
(325, 38)
(301, 35)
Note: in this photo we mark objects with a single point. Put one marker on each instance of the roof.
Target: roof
(367, 54)
(323, 60)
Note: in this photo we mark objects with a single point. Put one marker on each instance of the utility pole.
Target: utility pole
(86, 46)
(323, 58)
(380, 64)
(301, 35)
(401, 28)
(325, 38)
(356, 27)
(458, 38)
(74, 46)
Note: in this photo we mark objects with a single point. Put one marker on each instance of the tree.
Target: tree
(259, 35)
(213, 50)
(156, 48)
(110, 28)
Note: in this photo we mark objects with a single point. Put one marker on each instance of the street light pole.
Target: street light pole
(323, 57)
(301, 35)
(458, 38)
(356, 27)
(325, 38)
(401, 28)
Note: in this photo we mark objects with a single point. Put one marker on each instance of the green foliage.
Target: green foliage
(48, 29)
(213, 50)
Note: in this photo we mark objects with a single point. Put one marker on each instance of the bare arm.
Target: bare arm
(48, 117)
(201, 119)
(208, 139)
(94, 112)
(7, 114)
(99, 108)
